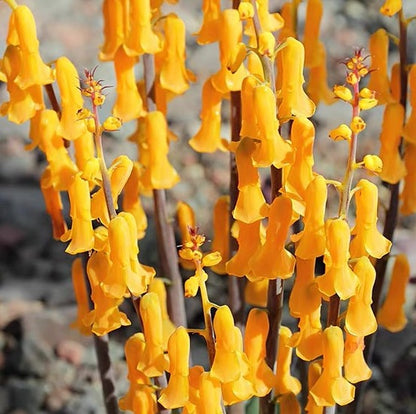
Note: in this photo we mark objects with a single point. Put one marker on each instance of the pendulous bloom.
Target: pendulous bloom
(355, 367)
(391, 7)
(221, 224)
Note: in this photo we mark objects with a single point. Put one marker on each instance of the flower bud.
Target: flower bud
(373, 163)
(342, 92)
(343, 132)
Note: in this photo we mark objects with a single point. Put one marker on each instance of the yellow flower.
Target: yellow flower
(314, 372)
(246, 10)
(272, 260)
(368, 240)
(210, 397)
(409, 130)
(257, 329)
(360, 319)
(113, 28)
(314, 11)
(408, 195)
(331, 387)
(338, 277)
(269, 22)
(128, 104)
(373, 163)
(391, 314)
(112, 123)
(343, 93)
(267, 44)
(367, 103)
(255, 293)
(292, 99)
(391, 7)
(248, 116)
(379, 80)
(154, 361)
(176, 394)
(342, 132)
(288, 404)
(174, 76)
(287, 13)
(209, 31)
(355, 367)
(221, 224)
(357, 124)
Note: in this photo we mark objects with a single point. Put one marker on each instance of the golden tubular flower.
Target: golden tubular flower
(257, 329)
(379, 80)
(284, 382)
(360, 319)
(154, 361)
(81, 233)
(311, 240)
(391, 314)
(273, 149)
(208, 137)
(129, 104)
(289, 404)
(23, 103)
(159, 173)
(409, 130)
(331, 387)
(209, 395)
(84, 153)
(221, 224)
(141, 396)
(272, 260)
(342, 132)
(408, 195)
(355, 367)
(174, 77)
(338, 277)
(141, 38)
(70, 127)
(176, 394)
(314, 11)
(113, 28)
(251, 205)
(209, 31)
(314, 372)
(267, 43)
(393, 166)
(298, 174)
(292, 99)
(248, 116)
(81, 296)
(368, 240)
(270, 22)
(33, 71)
(391, 7)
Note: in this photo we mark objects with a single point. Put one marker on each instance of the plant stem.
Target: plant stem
(164, 231)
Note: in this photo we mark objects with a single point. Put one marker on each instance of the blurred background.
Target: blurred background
(46, 367)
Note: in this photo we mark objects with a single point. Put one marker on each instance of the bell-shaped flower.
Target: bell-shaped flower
(331, 387)
(298, 174)
(81, 233)
(228, 365)
(379, 79)
(210, 396)
(208, 137)
(391, 314)
(220, 241)
(114, 28)
(393, 166)
(409, 129)
(311, 240)
(53, 204)
(314, 372)
(272, 260)
(128, 104)
(291, 97)
(285, 383)
(159, 173)
(70, 127)
(186, 221)
(209, 31)
(251, 205)
(360, 319)
(288, 12)
(289, 404)
(391, 7)
(154, 361)
(314, 11)
(84, 152)
(141, 38)
(248, 115)
(368, 240)
(257, 329)
(157, 286)
(173, 76)
(81, 296)
(408, 195)
(32, 70)
(23, 103)
(131, 200)
(176, 394)
(230, 34)
(249, 240)
(338, 277)
(269, 22)
(255, 293)
(355, 367)
(273, 149)
(106, 316)
(141, 396)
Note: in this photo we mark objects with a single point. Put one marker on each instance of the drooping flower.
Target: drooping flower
(269, 22)
(393, 166)
(391, 7)
(314, 372)
(409, 130)
(314, 11)
(209, 31)
(292, 99)
(221, 224)
(113, 28)
(368, 240)
(176, 394)
(355, 367)
(289, 404)
(338, 277)
(360, 319)
(408, 195)
(248, 116)
(391, 314)
(331, 387)
(272, 260)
